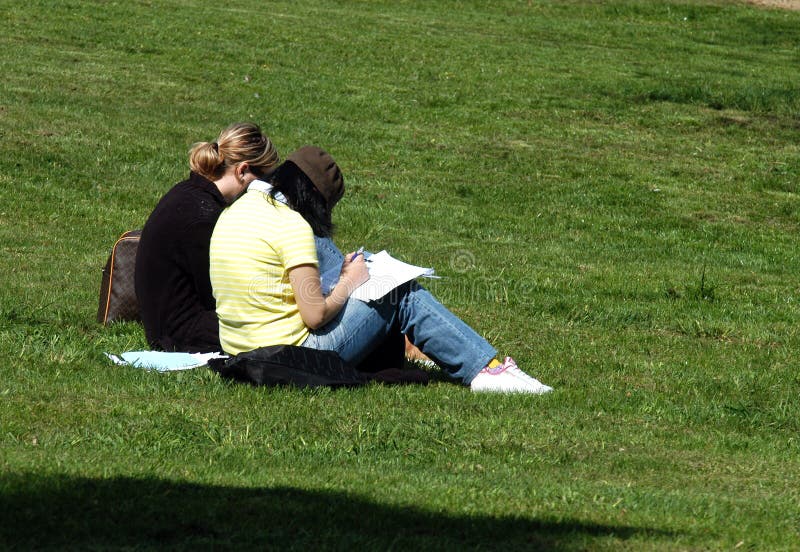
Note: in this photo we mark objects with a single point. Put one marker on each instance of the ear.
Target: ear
(241, 169)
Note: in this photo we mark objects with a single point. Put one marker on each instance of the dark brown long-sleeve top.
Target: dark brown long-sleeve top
(172, 283)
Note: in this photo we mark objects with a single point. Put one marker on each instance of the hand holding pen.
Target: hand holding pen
(357, 253)
(353, 272)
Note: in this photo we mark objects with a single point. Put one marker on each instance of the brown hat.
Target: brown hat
(322, 170)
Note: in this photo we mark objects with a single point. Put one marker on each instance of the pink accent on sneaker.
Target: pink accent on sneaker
(497, 369)
(507, 378)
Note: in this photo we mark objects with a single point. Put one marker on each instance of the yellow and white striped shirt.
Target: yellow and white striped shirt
(255, 243)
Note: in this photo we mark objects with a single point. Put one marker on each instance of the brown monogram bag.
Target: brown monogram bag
(117, 293)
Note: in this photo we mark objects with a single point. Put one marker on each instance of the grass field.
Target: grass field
(610, 190)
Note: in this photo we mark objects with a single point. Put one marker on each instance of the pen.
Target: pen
(357, 253)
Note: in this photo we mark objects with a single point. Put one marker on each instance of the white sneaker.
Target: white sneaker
(507, 378)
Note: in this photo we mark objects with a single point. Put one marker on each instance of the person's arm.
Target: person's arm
(316, 310)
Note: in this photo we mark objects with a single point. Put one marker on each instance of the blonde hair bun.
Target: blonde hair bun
(205, 159)
(239, 143)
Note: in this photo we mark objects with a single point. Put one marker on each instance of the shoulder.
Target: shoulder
(293, 231)
(256, 207)
(201, 194)
(246, 217)
(195, 201)
(247, 206)
(184, 210)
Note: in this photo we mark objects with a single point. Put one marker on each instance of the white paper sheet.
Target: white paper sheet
(385, 274)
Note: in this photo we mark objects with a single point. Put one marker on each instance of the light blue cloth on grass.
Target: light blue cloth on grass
(161, 361)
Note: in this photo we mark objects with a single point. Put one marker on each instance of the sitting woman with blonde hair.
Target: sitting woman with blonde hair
(172, 282)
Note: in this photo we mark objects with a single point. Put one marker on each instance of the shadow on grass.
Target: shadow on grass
(61, 512)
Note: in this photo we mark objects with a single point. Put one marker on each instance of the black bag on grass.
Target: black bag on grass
(289, 365)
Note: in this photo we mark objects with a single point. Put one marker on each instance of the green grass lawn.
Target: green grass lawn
(610, 190)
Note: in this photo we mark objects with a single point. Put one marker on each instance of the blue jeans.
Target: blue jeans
(360, 327)
(330, 263)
